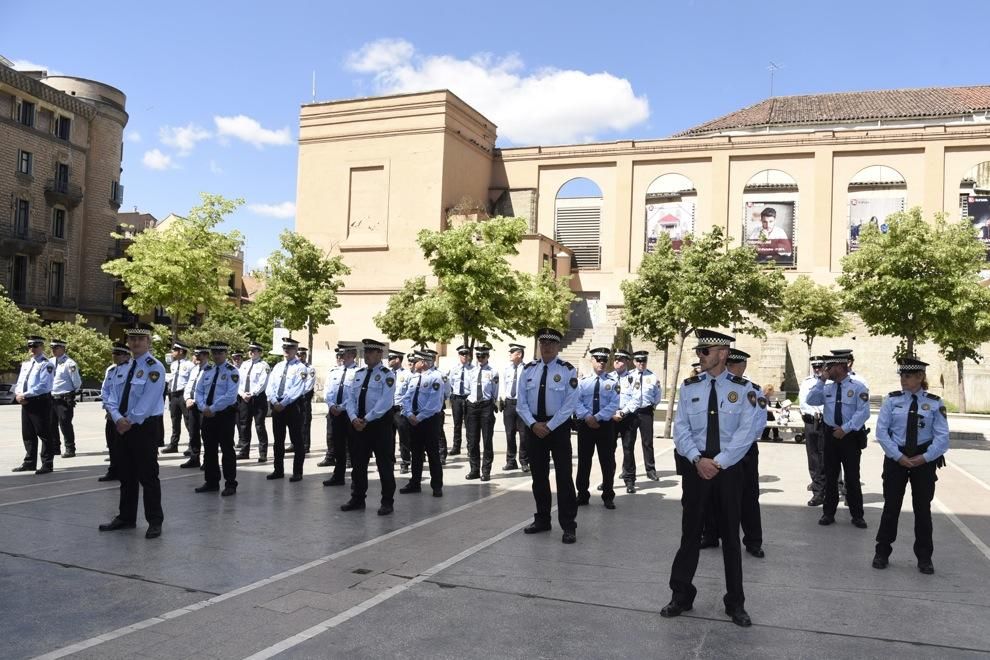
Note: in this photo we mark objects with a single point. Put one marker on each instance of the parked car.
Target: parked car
(6, 393)
(90, 395)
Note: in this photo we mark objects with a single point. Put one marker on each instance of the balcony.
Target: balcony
(59, 191)
(21, 240)
(43, 301)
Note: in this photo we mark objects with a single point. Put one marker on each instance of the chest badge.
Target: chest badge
(733, 397)
(139, 374)
(556, 378)
(849, 393)
(925, 406)
(377, 377)
(607, 387)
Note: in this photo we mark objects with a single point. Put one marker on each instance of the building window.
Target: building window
(116, 193)
(18, 276)
(24, 162)
(58, 222)
(23, 218)
(62, 177)
(63, 127)
(25, 113)
(56, 280)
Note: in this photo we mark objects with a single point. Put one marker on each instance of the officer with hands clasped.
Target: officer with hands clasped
(598, 400)
(216, 399)
(421, 405)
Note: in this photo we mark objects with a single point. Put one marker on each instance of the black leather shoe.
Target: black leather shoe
(816, 501)
(740, 617)
(859, 522)
(535, 528)
(411, 488)
(583, 500)
(525, 467)
(69, 454)
(568, 538)
(926, 566)
(154, 531)
(290, 450)
(324, 463)
(191, 463)
(108, 477)
(294, 478)
(187, 452)
(600, 487)
(334, 481)
(44, 469)
(826, 519)
(404, 469)
(352, 506)
(228, 491)
(756, 551)
(116, 524)
(879, 561)
(262, 459)
(385, 510)
(630, 488)
(672, 609)
(243, 457)
(171, 449)
(454, 452)
(652, 475)
(708, 543)
(486, 477)
(275, 475)
(473, 475)
(208, 488)
(609, 504)
(23, 468)
(438, 492)
(511, 465)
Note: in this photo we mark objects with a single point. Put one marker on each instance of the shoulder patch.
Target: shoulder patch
(49, 368)
(897, 393)
(235, 377)
(762, 401)
(751, 397)
(153, 376)
(942, 410)
(864, 396)
(934, 397)
(693, 379)
(573, 382)
(389, 381)
(72, 368)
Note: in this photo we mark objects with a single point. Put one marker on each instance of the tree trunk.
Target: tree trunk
(809, 340)
(962, 385)
(910, 345)
(668, 424)
(175, 327)
(666, 355)
(309, 333)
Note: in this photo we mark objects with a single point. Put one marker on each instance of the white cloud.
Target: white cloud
(282, 210)
(261, 263)
(248, 130)
(216, 169)
(183, 138)
(133, 136)
(156, 160)
(540, 106)
(28, 65)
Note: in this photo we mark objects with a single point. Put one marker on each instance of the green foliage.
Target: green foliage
(15, 325)
(89, 348)
(812, 310)
(418, 313)
(182, 266)
(544, 301)
(211, 330)
(904, 283)
(247, 320)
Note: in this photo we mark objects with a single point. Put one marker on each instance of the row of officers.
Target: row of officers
(720, 415)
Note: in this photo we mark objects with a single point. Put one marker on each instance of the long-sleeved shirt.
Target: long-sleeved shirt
(35, 377)
(608, 397)
(430, 386)
(736, 403)
(459, 380)
(487, 378)
(378, 385)
(195, 373)
(223, 379)
(147, 388)
(333, 393)
(67, 378)
(254, 377)
(639, 389)
(510, 373)
(933, 425)
(178, 374)
(295, 382)
(561, 392)
(803, 391)
(854, 403)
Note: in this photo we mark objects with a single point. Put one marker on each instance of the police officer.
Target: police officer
(307, 398)
(713, 429)
(216, 399)
(400, 425)
(640, 392)
(846, 408)
(442, 437)
(65, 385)
(457, 377)
(120, 355)
(339, 379)
(749, 514)
(178, 376)
(136, 405)
(913, 431)
(286, 385)
(814, 440)
(546, 402)
(850, 359)
(508, 395)
(252, 404)
(194, 418)
(597, 403)
(421, 404)
(33, 391)
(482, 388)
(621, 361)
(369, 402)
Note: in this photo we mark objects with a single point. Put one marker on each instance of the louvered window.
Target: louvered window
(579, 228)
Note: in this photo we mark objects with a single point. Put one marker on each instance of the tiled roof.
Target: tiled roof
(926, 103)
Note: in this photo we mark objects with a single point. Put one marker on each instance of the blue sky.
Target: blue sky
(214, 88)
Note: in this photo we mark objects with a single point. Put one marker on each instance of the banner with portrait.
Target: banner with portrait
(865, 211)
(769, 228)
(977, 209)
(675, 219)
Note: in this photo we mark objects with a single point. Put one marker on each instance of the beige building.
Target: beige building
(60, 154)
(373, 172)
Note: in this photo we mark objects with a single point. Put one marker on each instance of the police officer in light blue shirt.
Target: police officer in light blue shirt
(252, 406)
(457, 379)
(121, 355)
(33, 391)
(422, 402)
(286, 384)
(597, 403)
(194, 417)
(482, 381)
(913, 431)
(66, 383)
(216, 398)
(339, 379)
(640, 390)
(178, 376)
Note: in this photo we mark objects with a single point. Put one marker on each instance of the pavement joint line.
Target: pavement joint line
(385, 595)
(971, 476)
(44, 483)
(188, 609)
(138, 578)
(966, 531)
(84, 492)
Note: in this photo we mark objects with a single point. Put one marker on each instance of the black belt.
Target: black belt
(480, 403)
(918, 451)
(177, 392)
(645, 409)
(458, 396)
(38, 397)
(70, 396)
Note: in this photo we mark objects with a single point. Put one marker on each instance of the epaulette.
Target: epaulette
(738, 380)
(934, 397)
(208, 367)
(566, 365)
(385, 369)
(755, 386)
(897, 393)
(531, 364)
(149, 360)
(697, 378)
(231, 367)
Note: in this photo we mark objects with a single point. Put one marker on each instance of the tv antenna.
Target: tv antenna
(773, 68)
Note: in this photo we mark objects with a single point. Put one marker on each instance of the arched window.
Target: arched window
(770, 207)
(875, 192)
(578, 221)
(670, 206)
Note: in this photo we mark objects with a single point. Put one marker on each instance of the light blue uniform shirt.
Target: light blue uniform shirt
(638, 389)
(489, 383)
(67, 378)
(380, 394)
(736, 403)
(402, 378)
(509, 372)
(295, 382)
(195, 373)
(254, 377)
(226, 378)
(608, 397)
(430, 386)
(760, 419)
(933, 426)
(178, 374)
(803, 391)
(334, 376)
(855, 402)
(35, 377)
(147, 394)
(310, 378)
(108, 377)
(454, 378)
(561, 392)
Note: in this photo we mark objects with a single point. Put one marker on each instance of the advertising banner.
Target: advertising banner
(865, 211)
(770, 229)
(676, 219)
(977, 209)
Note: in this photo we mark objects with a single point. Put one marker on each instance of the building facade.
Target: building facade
(61, 144)
(796, 177)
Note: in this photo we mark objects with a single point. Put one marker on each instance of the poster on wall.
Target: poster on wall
(977, 209)
(675, 219)
(770, 229)
(865, 211)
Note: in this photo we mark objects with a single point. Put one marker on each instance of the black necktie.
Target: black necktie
(640, 389)
(515, 376)
(911, 447)
(837, 417)
(461, 391)
(175, 378)
(595, 401)
(247, 381)
(713, 444)
(479, 395)
(340, 387)
(213, 386)
(127, 389)
(363, 395)
(541, 399)
(281, 385)
(416, 396)
(27, 379)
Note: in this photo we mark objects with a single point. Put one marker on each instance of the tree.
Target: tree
(300, 285)
(15, 325)
(961, 332)
(544, 301)
(89, 348)
(708, 285)
(813, 311)
(212, 330)
(902, 283)
(182, 267)
(418, 313)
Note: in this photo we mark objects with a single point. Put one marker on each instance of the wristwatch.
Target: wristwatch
(716, 464)
(696, 459)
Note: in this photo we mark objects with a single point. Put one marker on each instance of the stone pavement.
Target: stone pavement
(279, 570)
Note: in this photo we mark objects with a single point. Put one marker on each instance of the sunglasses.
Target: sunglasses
(706, 350)
(639, 359)
(601, 359)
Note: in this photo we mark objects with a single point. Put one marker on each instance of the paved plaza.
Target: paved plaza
(278, 570)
